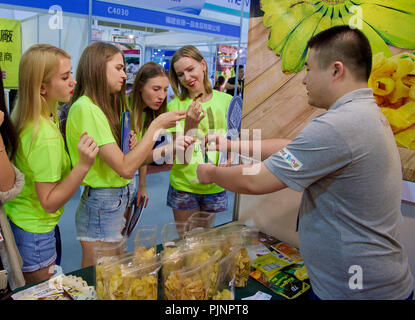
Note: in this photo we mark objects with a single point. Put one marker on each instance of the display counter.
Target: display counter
(251, 288)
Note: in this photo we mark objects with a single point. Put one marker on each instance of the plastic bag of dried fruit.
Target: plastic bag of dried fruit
(194, 280)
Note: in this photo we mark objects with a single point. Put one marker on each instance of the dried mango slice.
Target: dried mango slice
(383, 86)
(401, 118)
(406, 138)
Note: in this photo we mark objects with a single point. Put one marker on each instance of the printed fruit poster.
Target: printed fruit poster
(390, 27)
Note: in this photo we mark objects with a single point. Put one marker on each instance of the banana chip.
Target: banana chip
(393, 83)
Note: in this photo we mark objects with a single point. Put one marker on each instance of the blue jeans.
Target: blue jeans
(184, 201)
(100, 214)
(38, 250)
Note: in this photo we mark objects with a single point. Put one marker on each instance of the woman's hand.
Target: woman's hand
(88, 150)
(142, 192)
(221, 143)
(1, 117)
(133, 140)
(194, 115)
(181, 143)
(168, 119)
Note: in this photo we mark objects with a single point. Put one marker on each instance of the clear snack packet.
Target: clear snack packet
(201, 220)
(141, 282)
(225, 282)
(105, 255)
(145, 244)
(172, 233)
(190, 282)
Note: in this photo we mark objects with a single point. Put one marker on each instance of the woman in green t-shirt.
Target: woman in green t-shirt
(44, 80)
(206, 113)
(96, 107)
(147, 102)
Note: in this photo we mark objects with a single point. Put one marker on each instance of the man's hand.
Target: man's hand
(204, 173)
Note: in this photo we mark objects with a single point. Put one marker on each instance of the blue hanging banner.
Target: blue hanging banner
(104, 9)
(71, 6)
(161, 18)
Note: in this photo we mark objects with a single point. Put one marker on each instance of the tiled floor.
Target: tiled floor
(156, 213)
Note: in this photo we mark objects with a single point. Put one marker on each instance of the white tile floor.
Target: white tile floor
(156, 213)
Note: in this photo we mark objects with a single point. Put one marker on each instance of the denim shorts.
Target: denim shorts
(100, 214)
(184, 201)
(38, 250)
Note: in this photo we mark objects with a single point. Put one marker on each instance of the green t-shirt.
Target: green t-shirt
(42, 160)
(85, 116)
(183, 176)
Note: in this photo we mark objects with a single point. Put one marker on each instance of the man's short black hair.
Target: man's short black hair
(342, 43)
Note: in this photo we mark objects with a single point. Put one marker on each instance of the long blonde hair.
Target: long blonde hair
(91, 78)
(147, 71)
(37, 66)
(190, 52)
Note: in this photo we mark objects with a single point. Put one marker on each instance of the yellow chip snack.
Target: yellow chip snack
(393, 83)
(243, 268)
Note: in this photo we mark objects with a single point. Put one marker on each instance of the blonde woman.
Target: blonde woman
(206, 111)
(97, 105)
(44, 80)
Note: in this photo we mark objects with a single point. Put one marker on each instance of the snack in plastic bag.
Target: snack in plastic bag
(144, 256)
(193, 280)
(243, 268)
(104, 256)
(141, 282)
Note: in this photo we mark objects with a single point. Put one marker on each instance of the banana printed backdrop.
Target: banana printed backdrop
(390, 27)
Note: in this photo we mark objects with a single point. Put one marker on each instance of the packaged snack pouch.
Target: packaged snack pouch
(271, 263)
(282, 283)
(288, 250)
(287, 285)
(298, 270)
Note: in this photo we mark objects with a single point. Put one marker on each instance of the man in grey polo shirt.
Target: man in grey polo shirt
(347, 165)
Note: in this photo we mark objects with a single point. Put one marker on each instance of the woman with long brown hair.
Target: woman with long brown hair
(44, 80)
(97, 105)
(147, 102)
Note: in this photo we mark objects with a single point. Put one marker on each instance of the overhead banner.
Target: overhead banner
(10, 51)
(185, 6)
(112, 10)
(162, 13)
(233, 7)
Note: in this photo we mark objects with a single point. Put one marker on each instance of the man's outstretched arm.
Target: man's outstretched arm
(247, 179)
